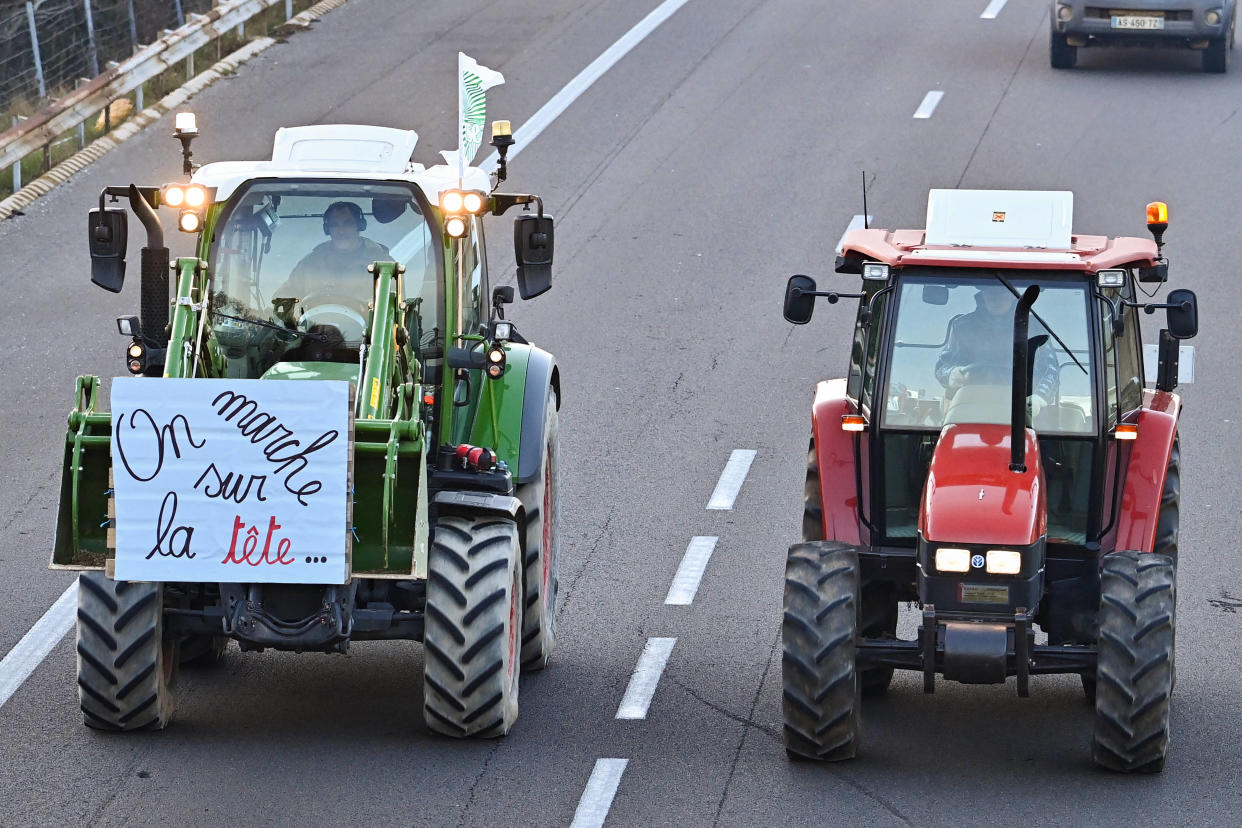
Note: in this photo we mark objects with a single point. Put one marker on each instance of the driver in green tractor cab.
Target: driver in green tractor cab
(337, 266)
(978, 351)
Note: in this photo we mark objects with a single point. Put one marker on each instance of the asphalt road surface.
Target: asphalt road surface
(718, 156)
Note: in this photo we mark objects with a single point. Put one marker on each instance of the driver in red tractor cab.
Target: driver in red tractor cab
(978, 350)
(339, 264)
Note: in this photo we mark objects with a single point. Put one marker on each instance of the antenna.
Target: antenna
(864, 178)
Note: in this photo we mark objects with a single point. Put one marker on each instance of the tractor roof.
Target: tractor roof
(999, 228)
(341, 151)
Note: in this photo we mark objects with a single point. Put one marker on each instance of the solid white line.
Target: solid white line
(646, 678)
(583, 80)
(731, 479)
(928, 106)
(36, 644)
(596, 800)
(693, 563)
(993, 9)
(856, 223)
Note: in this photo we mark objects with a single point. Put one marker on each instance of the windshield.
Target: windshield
(953, 353)
(294, 254)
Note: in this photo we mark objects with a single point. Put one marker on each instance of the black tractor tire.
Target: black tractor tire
(822, 694)
(1134, 677)
(1216, 56)
(1062, 55)
(542, 565)
(473, 620)
(127, 667)
(877, 607)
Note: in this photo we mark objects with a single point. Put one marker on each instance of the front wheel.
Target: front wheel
(1216, 56)
(1134, 676)
(1061, 54)
(474, 613)
(822, 693)
(127, 666)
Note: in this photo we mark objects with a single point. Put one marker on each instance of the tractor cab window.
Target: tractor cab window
(951, 361)
(290, 282)
(952, 354)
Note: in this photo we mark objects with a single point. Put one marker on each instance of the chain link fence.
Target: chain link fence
(48, 47)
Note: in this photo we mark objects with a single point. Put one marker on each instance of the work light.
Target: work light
(189, 221)
(455, 226)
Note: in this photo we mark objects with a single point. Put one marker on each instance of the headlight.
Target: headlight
(451, 201)
(473, 202)
(1004, 562)
(190, 221)
(1212, 18)
(1064, 12)
(949, 559)
(195, 196)
(455, 226)
(174, 196)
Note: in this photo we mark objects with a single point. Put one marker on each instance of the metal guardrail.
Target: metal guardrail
(122, 78)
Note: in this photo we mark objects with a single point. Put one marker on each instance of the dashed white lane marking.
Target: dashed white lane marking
(583, 80)
(856, 223)
(646, 678)
(928, 106)
(993, 9)
(731, 479)
(686, 582)
(596, 800)
(36, 644)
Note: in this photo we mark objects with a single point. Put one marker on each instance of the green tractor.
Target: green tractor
(334, 436)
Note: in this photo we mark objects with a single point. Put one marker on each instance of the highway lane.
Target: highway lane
(719, 157)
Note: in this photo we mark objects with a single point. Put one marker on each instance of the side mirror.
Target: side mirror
(532, 243)
(1183, 319)
(935, 295)
(107, 232)
(799, 299)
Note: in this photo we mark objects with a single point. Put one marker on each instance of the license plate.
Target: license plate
(1137, 21)
(984, 594)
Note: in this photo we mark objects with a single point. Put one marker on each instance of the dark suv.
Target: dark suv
(1203, 25)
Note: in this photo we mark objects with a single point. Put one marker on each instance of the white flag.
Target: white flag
(474, 81)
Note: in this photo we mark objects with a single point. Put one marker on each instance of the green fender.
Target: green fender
(511, 409)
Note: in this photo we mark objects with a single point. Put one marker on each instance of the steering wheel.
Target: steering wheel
(343, 311)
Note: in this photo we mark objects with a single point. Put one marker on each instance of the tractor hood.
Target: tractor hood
(971, 496)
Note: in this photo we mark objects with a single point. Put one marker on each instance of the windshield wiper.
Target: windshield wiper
(1035, 314)
(316, 337)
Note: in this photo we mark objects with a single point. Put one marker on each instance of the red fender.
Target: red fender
(835, 449)
(1145, 471)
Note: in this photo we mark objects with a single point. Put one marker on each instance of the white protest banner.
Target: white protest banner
(237, 481)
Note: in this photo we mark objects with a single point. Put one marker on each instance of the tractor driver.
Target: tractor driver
(979, 350)
(337, 266)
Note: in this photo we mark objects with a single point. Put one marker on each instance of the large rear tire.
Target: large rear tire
(1134, 679)
(127, 667)
(542, 573)
(471, 637)
(822, 692)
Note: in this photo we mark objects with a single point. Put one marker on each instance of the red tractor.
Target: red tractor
(995, 455)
